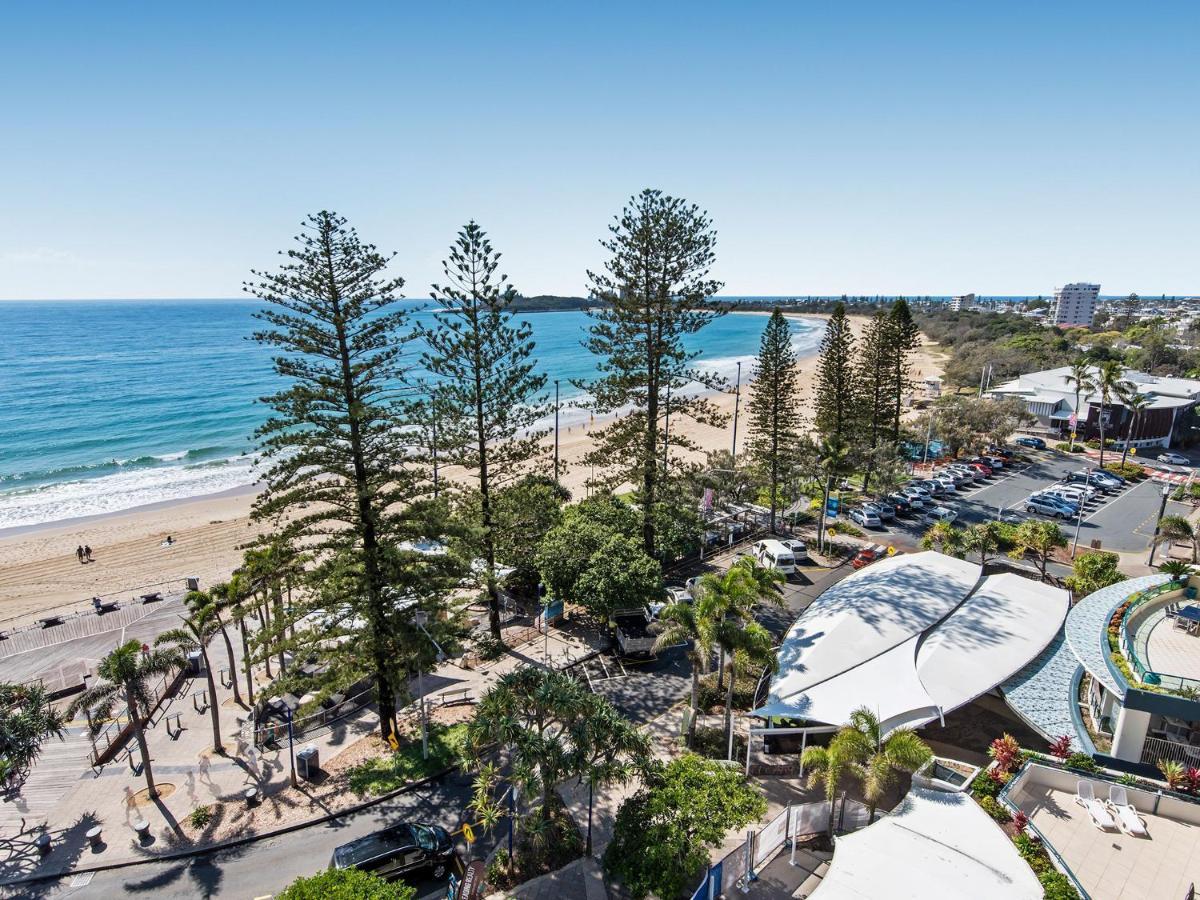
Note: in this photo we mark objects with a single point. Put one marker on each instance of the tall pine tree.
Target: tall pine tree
(489, 395)
(338, 482)
(774, 406)
(657, 291)
(874, 377)
(835, 401)
(904, 338)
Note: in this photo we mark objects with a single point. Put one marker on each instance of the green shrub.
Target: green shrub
(1082, 761)
(345, 884)
(1065, 447)
(713, 743)
(985, 785)
(995, 809)
(849, 529)
(200, 817)
(382, 774)
(1126, 470)
(1057, 886)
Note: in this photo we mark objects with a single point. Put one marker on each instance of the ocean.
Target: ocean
(110, 405)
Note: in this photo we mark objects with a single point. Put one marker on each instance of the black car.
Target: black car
(900, 503)
(397, 850)
(1035, 443)
(1095, 480)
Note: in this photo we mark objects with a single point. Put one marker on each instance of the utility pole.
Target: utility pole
(556, 431)
(737, 400)
(1078, 523)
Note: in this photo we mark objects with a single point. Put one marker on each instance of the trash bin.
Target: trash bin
(193, 584)
(195, 663)
(308, 762)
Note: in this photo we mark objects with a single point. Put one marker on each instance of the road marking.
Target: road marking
(1123, 493)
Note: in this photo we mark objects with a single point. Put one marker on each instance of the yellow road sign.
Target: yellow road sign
(392, 742)
(468, 833)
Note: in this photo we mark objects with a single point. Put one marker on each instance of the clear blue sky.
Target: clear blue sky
(161, 150)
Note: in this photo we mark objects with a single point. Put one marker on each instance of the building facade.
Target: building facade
(966, 301)
(1075, 304)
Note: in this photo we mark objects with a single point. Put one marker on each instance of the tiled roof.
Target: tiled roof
(1042, 693)
(1087, 625)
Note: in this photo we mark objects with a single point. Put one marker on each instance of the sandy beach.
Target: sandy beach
(39, 570)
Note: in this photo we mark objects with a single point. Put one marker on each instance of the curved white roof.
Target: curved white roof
(911, 638)
(932, 845)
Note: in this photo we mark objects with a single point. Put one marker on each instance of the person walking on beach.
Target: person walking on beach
(87, 551)
(79, 553)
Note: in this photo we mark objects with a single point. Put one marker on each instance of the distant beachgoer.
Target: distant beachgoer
(87, 551)
(169, 541)
(79, 553)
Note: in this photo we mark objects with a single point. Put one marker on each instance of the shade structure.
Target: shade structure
(911, 638)
(933, 844)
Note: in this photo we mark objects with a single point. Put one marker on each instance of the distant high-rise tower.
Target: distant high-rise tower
(1075, 304)
(957, 303)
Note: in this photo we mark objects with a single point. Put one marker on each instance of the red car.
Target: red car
(868, 555)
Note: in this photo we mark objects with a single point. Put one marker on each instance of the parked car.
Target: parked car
(772, 554)
(799, 548)
(980, 466)
(1092, 478)
(398, 850)
(1049, 506)
(1002, 452)
(868, 555)
(882, 509)
(1174, 459)
(900, 503)
(931, 487)
(940, 514)
(1065, 495)
(993, 462)
(1033, 443)
(866, 518)
(962, 474)
(948, 483)
(634, 637)
(1088, 491)
(918, 498)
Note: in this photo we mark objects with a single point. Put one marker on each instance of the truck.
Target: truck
(634, 637)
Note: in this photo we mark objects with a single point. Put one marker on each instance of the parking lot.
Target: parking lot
(1123, 520)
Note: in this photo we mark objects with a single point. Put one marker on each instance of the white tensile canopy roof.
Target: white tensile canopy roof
(911, 638)
(933, 845)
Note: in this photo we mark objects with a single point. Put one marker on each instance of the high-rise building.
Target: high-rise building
(965, 301)
(1074, 304)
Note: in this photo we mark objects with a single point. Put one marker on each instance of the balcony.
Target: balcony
(1153, 654)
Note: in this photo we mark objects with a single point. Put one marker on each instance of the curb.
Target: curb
(233, 842)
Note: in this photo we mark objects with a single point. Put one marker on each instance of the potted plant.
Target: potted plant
(1177, 569)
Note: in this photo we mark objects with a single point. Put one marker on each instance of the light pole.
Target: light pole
(291, 747)
(420, 617)
(556, 431)
(1078, 524)
(1162, 508)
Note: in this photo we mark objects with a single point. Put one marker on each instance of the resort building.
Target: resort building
(913, 637)
(1122, 680)
(960, 303)
(1049, 396)
(1074, 304)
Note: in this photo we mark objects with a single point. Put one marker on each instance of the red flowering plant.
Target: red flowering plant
(1060, 748)
(1006, 752)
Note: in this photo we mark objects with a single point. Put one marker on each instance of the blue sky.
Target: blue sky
(162, 150)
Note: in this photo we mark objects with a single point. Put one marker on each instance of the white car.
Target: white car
(940, 514)
(866, 518)
(948, 484)
(1174, 459)
(917, 498)
(799, 548)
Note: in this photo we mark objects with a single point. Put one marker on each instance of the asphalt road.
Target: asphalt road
(261, 868)
(1121, 521)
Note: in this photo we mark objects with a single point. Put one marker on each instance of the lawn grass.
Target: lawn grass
(387, 773)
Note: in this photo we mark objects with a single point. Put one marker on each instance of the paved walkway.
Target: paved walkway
(64, 791)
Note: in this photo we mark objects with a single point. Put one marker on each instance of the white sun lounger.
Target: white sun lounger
(1085, 796)
(1127, 816)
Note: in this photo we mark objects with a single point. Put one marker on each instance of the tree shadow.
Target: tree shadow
(23, 858)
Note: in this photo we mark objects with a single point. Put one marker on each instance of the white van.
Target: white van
(774, 555)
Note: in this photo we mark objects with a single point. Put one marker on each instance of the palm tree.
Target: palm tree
(1137, 404)
(744, 585)
(984, 538)
(946, 538)
(877, 760)
(745, 643)
(1111, 384)
(221, 597)
(126, 674)
(27, 719)
(1080, 377)
(198, 629)
(1039, 538)
(694, 624)
(1177, 529)
(826, 766)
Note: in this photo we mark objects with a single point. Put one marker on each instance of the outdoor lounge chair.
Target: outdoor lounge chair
(1127, 816)
(1172, 610)
(1085, 796)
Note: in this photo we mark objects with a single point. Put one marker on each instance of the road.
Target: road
(261, 868)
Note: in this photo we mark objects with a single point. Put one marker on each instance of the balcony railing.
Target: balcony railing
(1134, 647)
(1160, 748)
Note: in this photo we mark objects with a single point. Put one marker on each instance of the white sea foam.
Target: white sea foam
(120, 491)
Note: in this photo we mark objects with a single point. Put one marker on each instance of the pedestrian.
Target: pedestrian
(87, 551)
(79, 553)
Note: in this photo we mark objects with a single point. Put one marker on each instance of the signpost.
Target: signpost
(472, 881)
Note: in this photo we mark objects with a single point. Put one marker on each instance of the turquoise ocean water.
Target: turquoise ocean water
(109, 405)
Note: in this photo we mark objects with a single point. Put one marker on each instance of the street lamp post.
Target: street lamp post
(291, 747)
(1078, 525)
(1162, 508)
